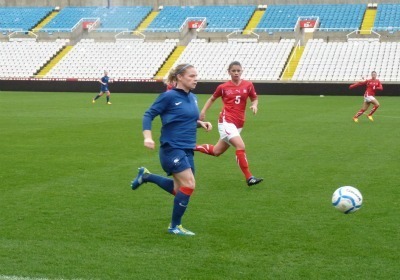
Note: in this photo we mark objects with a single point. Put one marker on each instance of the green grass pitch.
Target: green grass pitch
(67, 210)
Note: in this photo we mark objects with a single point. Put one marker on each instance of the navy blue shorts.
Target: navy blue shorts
(104, 89)
(175, 160)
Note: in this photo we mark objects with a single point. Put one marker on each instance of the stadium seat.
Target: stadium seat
(387, 18)
(260, 61)
(22, 18)
(124, 59)
(219, 18)
(24, 59)
(114, 18)
(348, 61)
(332, 16)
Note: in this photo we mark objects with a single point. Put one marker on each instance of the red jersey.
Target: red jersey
(234, 98)
(169, 87)
(372, 86)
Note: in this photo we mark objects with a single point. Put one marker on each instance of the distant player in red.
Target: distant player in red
(170, 85)
(234, 94)
(373, 85)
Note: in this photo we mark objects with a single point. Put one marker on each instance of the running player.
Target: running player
(179, 115)
(373, 85)
(104, 88)
(234, 94)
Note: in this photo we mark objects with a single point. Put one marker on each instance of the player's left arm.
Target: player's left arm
(379, 87)
(254, 106)
(206, 125)
(253, 98)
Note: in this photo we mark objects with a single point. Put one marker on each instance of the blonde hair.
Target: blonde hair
(180, 69)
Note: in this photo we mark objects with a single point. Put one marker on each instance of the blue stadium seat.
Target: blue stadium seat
(117, 18)
(387, 17)
(333, 16)
(219, 18)
(22, 18)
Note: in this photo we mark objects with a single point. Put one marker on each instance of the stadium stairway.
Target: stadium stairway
(368, 21)
(253, 22)
(293, 61)
(46, 68)
(45, 21)
(169, 62)
(146, 22)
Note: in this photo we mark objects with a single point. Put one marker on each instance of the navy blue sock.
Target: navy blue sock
(181, 202)
(166, 184)
(97, 97)
(108, 98)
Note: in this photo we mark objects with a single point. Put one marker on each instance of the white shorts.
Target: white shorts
(369, 99)
(227, 131)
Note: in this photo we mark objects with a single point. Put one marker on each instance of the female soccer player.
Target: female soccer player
(103, 88)
(234, 94)
(373, 85)
(180, 119)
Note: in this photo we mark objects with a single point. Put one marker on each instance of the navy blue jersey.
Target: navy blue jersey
(104, 80)
(179, 114)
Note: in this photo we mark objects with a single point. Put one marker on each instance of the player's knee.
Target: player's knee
(241, 147)
(189, 183)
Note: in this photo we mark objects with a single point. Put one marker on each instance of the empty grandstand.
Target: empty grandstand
(261, 61)
(349, 61)
(111, 19)
(24, 59)
(219, 18)
(331, 16)
(334, 56)
(387, 18)
(123, 59)
(21, 18)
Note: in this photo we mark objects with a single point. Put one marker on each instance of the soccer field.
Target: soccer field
(67, 210)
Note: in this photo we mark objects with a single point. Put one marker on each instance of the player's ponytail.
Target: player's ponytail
(180, 69)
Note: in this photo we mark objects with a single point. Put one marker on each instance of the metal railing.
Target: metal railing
(29, 33)
(272, 30)
(131, 33)
(66, 29)
(244, 36)
(359, 31)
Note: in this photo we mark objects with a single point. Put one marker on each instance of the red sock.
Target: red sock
(359, 113)
(373, 110)
(205, 149)
(242, 162)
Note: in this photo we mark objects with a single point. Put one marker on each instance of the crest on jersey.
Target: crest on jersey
(245, 91)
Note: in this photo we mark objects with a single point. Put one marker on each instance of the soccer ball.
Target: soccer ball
(347, 199)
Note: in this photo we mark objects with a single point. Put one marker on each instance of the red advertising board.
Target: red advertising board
(194, 24)
(87, 24)
(310, 23)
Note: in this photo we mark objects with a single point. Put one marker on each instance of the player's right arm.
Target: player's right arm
(358, 84)
(155, 110)
(210, 102)
(148, 139)
(206, 106)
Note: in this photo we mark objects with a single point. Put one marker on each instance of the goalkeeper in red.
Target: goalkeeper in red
(234, 95)
(373, 85)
